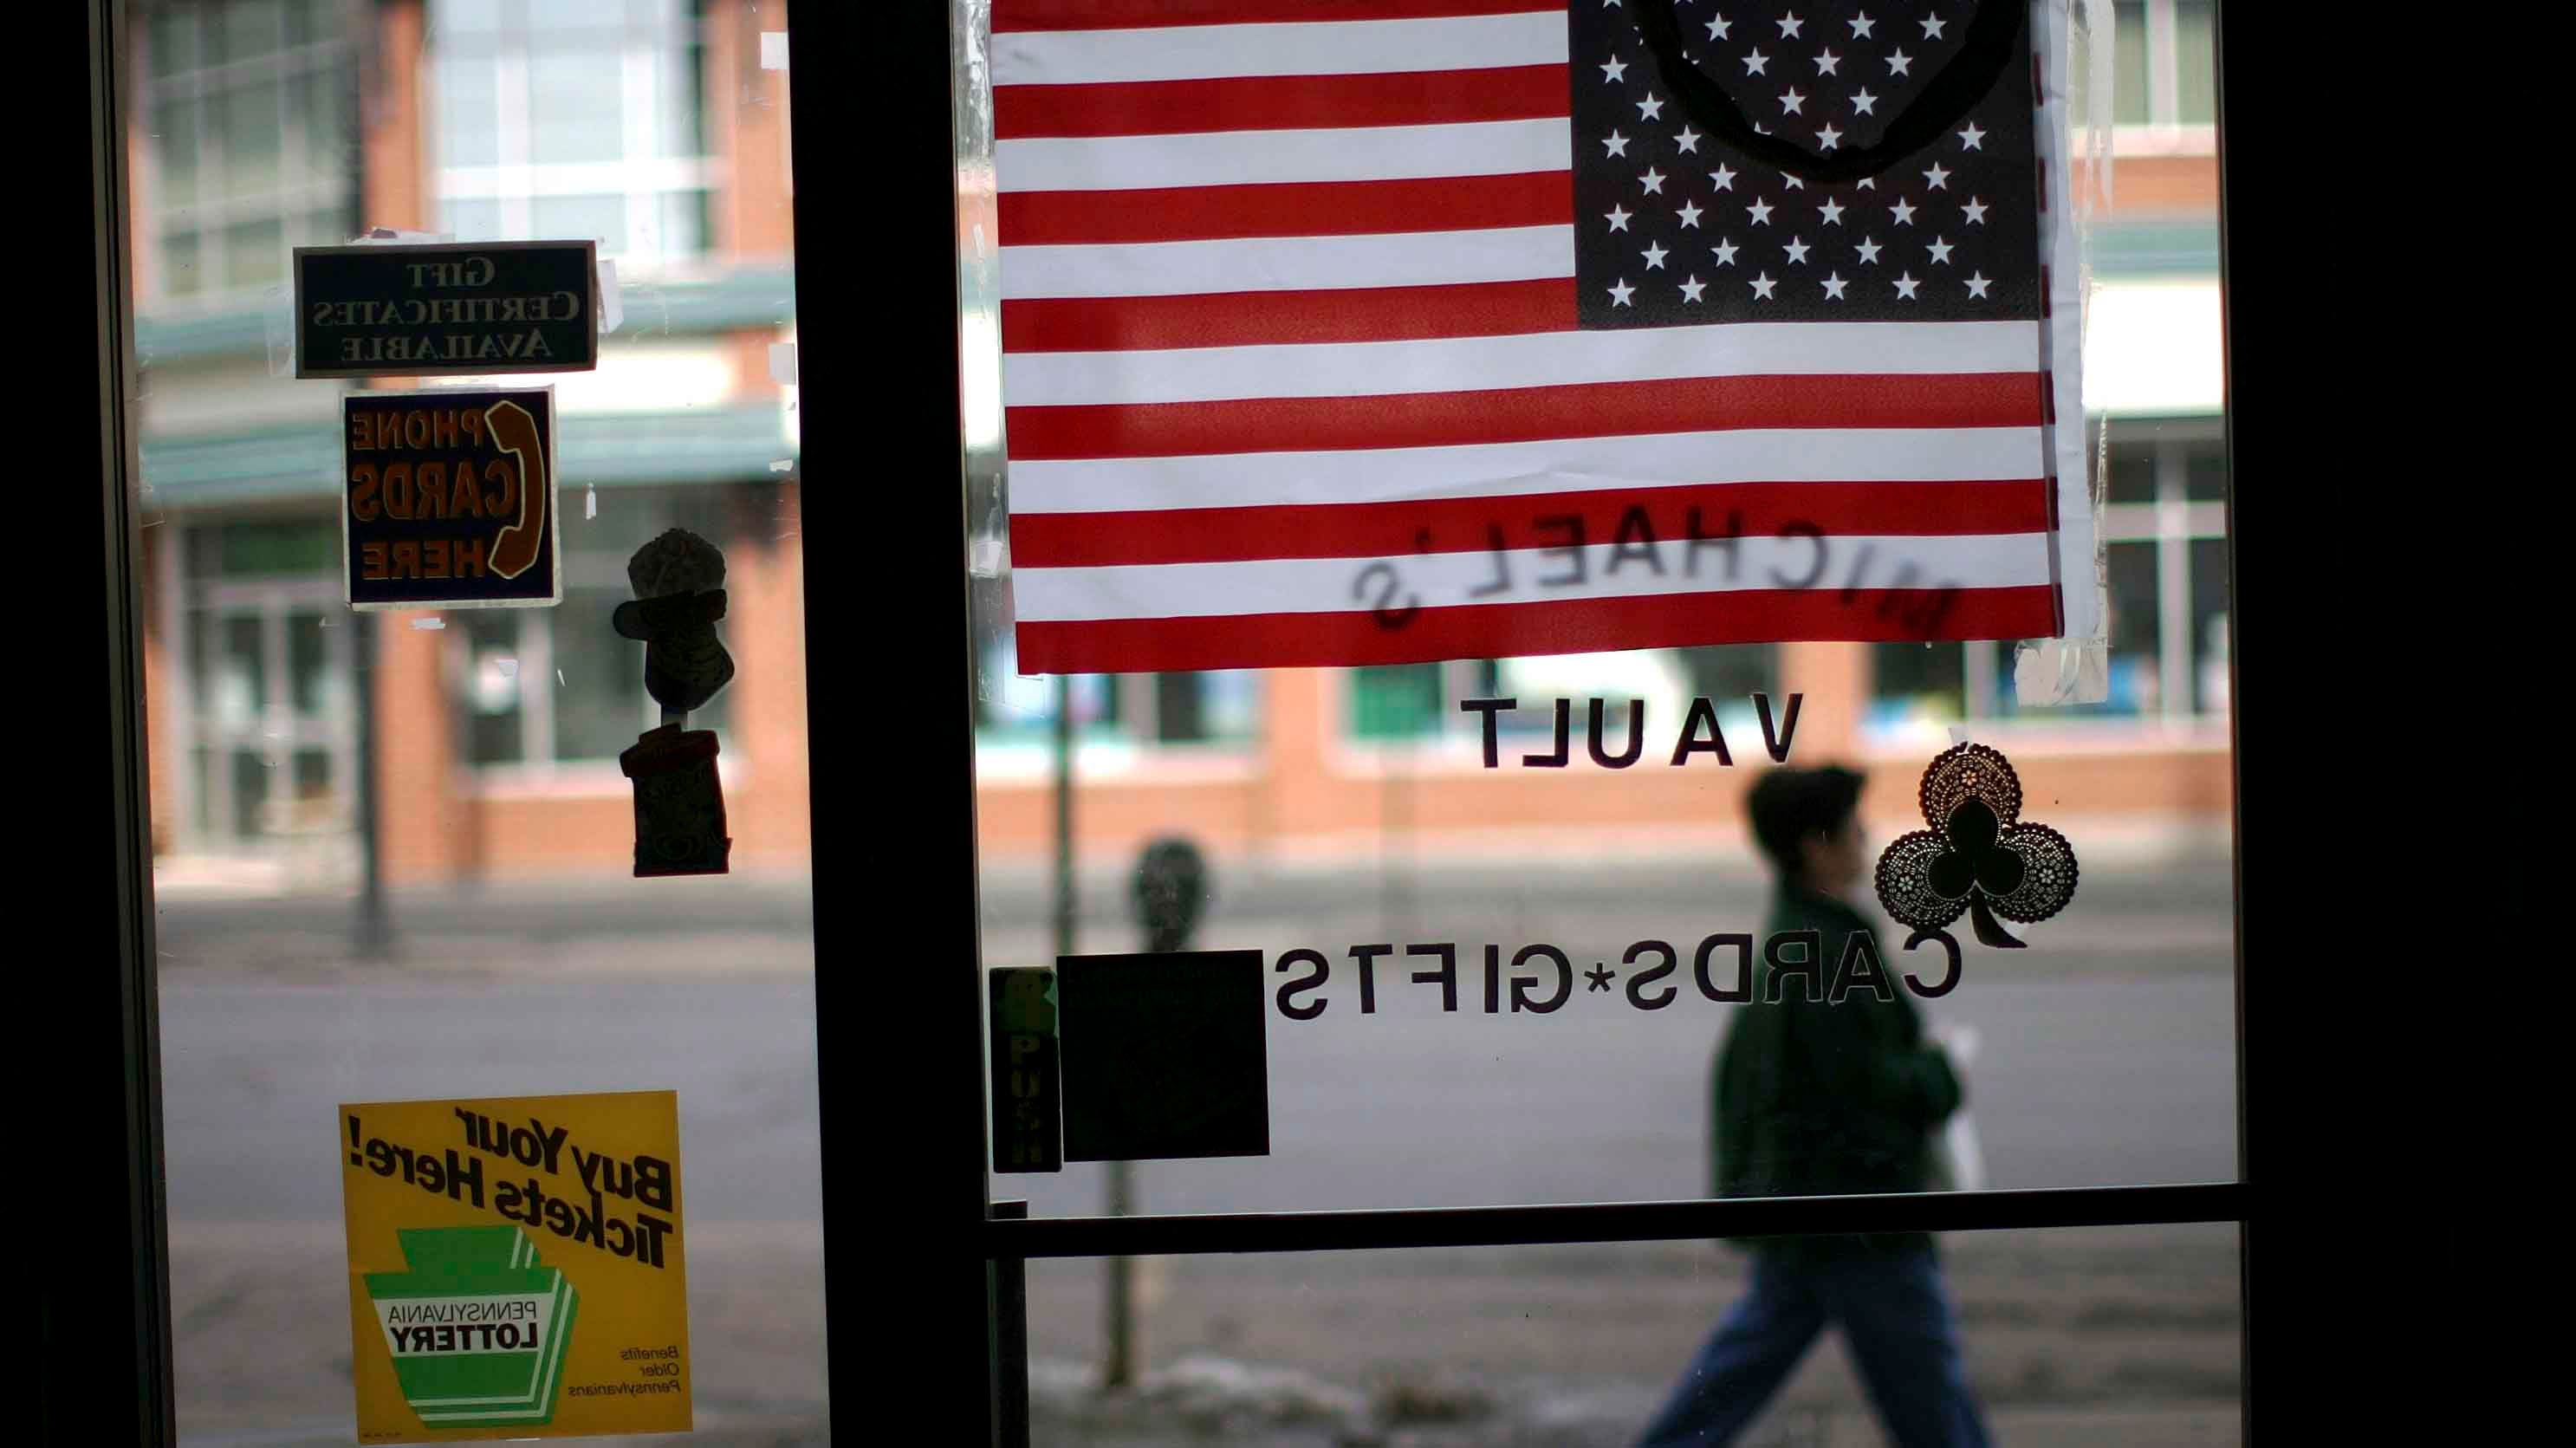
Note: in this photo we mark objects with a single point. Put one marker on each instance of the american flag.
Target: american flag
(1384, 331)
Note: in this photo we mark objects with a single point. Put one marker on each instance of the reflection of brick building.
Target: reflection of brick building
(652, 125)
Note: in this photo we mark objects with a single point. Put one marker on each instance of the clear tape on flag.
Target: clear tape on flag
(2074, 669)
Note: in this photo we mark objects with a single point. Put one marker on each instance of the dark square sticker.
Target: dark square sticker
(1164, 1055)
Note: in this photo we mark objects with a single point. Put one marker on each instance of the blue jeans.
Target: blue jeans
(1894, 1313)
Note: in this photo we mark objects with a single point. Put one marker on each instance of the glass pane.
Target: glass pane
(240, 673)
(469, 108)
(2134, 620)
(2132, 471)
(493, 686)
(177, 153)
(248, 128)
(469, 220)
(576, 103)
(2063, 1339)
(255, 254)
(245, 30)
(504, 834)
(313, 685)
(2130, 96)
(600, 218)
(2209, 625)
(2205, 472)
(181, 272)
(2196, 57)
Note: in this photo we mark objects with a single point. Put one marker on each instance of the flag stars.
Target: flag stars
(1724, 251)
(1620, 292)
(1828, 138)
(1615, 144)
(1618, 216)
(1614, 70)
(1905, 286)
(1862, 101)
(1971, 138)
(1860, 25)
(1754, 61)
(1797, 251)
(1868, 250)
(1794, 183)
(1690, 214)
(1831, 211)
(1692, 287)
(1654, 255)
(1938, 178)
(1789, 26)
(1941, 250)
(1760, 211)
(1897, 63)
(1977, 284)
(1722, 179)
(1717, 27)
(1903, 211)
(1762, 286)
(1826, 60)
(1834, 285)
(1976, 211)
(1651, 108)
(1790, 100)
(1687, 139)
(1653, 181)
(1932, 27)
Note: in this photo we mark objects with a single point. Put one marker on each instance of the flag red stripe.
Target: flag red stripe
(1539, 520)
(1280, 102)
(1525, 414)
(1251, 319)
(1010, 15)
(1507, 630)
(1290, 208)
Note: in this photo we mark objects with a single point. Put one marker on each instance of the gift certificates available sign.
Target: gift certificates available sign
(446, 309)
(448, 498)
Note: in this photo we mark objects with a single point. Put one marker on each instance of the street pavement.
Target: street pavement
(2107, 1058)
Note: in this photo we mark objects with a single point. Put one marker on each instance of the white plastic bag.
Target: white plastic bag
(1958, 1158)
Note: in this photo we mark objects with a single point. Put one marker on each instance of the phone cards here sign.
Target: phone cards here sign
(448, 498)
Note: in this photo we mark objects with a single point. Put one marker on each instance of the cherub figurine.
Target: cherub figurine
(679, 800)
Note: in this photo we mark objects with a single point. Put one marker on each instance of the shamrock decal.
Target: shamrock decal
(1978, 859)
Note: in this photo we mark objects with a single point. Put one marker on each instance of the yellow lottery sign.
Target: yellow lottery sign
(517, 1267)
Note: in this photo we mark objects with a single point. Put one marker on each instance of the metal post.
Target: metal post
(373, 932)
(1011, 1337)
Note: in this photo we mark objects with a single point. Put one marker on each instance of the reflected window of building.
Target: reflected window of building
(572, 118)
(2164, 71)
(269, 734)
(2164, 530)
(250, 149)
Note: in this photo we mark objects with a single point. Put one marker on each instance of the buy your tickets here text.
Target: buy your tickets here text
(586, 1215)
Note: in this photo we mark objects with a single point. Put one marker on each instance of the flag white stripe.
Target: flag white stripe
(1544, 359)
(1518, 469)
(1300, 585)
(1242, 158)
(1350, 47)
(1288, 264)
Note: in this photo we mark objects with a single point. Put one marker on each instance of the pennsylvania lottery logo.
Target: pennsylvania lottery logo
(477, 1326)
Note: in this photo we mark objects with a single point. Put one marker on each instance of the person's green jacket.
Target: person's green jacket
(1816, 1098)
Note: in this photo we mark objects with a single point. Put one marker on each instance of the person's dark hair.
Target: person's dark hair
(1788, 806)
(1170, 891)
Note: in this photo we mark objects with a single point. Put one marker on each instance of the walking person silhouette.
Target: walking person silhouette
(1815, 1098)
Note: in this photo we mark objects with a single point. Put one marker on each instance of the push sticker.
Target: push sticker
(517, 1267)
